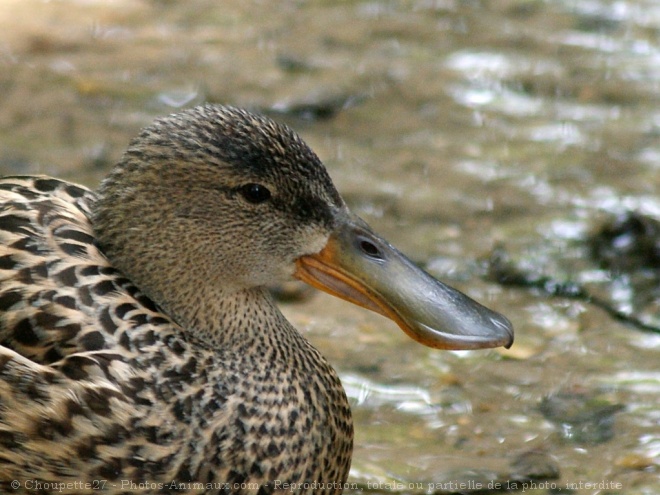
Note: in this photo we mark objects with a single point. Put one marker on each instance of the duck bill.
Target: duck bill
(359, 266)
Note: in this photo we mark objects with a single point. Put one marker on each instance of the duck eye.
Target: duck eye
(255, 193)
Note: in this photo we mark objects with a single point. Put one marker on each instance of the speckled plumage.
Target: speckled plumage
(98, 382)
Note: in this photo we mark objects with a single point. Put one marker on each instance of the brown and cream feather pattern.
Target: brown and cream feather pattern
(97, 383)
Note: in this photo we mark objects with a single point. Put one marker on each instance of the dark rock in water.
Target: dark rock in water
(534, 465)
(581, 417)
(629, 248)
(322, 108)
(529, 470)
(629, 242)
(293, 64)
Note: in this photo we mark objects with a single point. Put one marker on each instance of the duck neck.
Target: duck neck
(239, 319)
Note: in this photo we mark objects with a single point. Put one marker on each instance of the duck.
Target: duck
(140, 349)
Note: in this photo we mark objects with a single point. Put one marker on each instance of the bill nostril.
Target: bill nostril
(370, 249)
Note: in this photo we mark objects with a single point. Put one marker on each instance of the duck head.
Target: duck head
(216, 201)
